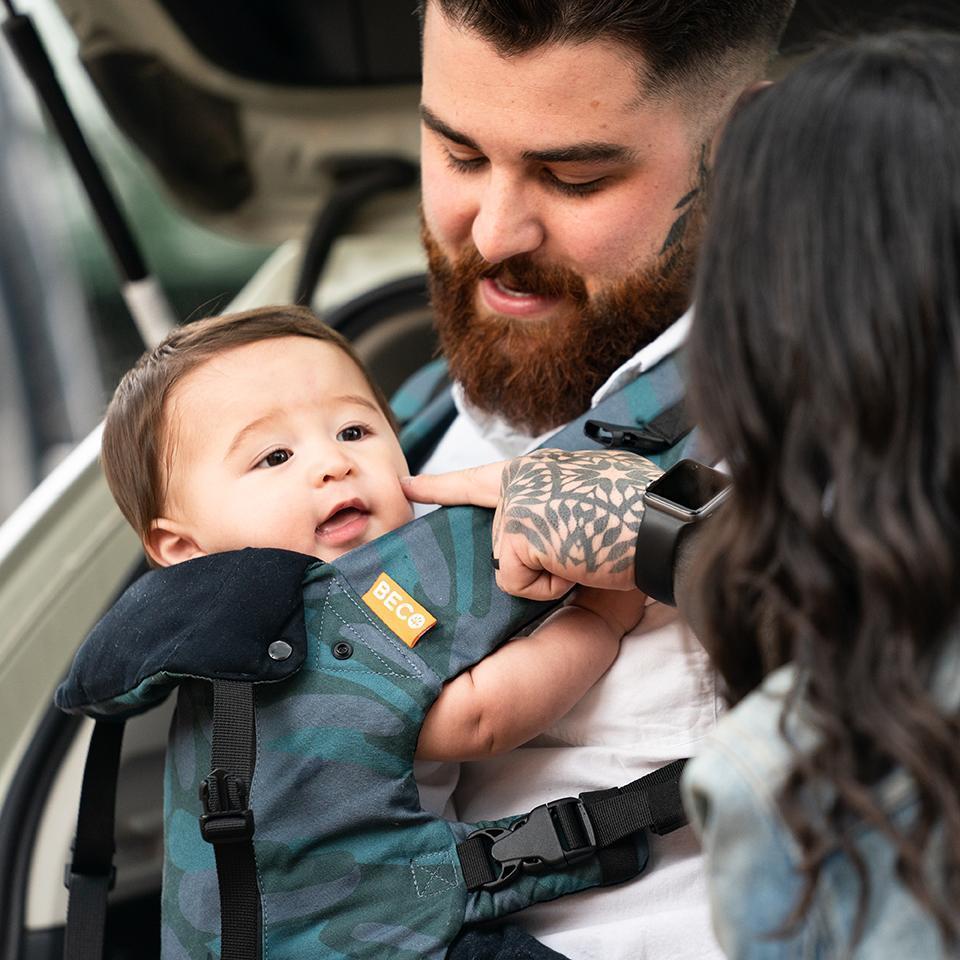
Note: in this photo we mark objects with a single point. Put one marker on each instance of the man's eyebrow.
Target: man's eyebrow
(591, 151)
(445, 130)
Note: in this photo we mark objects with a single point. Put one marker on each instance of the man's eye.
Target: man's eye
(461, 165)
(274, 458)
(356, 431)
(574, 189)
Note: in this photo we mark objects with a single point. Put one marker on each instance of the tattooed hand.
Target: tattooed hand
(562, 518)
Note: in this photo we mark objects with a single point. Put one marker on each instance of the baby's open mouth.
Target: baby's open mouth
(345, 522)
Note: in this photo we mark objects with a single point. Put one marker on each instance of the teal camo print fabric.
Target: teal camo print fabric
(425, 408)
(349, 864)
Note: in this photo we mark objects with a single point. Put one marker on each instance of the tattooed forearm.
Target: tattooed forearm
(583, 509)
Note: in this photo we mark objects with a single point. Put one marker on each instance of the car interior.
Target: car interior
(289, 122)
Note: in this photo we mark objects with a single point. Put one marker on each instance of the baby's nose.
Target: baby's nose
(333, 466)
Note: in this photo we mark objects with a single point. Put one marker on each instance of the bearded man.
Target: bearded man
(565, 157)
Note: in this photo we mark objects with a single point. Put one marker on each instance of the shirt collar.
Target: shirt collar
(512, 443)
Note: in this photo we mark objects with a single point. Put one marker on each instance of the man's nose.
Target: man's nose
(505, 224)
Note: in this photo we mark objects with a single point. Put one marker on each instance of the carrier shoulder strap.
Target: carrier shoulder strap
(90, 874)
(227, 820)
(424, 409)
(655, 423)
(227, 823)
(563, 832)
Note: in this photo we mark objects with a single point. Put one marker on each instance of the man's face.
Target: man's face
(278, 443)
(560, 211)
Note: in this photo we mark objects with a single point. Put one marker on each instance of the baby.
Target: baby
(262, 429)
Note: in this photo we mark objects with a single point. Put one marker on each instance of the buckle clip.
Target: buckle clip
(226, 817)
(637, 439)
(537, 840)
(109, 878)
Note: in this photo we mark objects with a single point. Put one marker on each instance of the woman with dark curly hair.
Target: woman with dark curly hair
(825, 359)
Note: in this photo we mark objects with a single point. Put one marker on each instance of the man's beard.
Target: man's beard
(540, 374)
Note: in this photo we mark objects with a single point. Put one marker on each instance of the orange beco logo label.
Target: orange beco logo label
(398, 610)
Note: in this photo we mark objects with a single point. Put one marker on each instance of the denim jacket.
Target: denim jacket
(752, 859)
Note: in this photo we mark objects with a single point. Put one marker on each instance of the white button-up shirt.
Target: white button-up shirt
(655, 704)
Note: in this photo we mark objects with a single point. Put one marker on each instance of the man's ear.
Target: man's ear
(168, 542)
(746, 95)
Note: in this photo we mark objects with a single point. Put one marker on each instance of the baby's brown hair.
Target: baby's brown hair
(134, 444)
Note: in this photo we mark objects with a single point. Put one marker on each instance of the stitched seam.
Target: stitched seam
(432, 871)
(386, 672)
(392, 640)
(323, 613)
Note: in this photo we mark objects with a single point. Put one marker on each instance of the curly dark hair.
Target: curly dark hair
(825, 363)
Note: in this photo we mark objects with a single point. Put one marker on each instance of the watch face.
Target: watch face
(689, 489)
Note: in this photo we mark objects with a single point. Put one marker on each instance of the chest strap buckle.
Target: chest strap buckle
(555, 833)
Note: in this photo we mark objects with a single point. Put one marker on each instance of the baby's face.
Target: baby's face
(279, 443)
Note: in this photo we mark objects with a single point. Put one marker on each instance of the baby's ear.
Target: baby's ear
(168, 542)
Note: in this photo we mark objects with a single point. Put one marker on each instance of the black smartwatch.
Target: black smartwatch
(687, 493)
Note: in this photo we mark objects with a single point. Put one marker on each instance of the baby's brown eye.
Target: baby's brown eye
(275, 458)
(352, 433)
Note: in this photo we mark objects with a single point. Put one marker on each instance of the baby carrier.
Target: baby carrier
(302, 686)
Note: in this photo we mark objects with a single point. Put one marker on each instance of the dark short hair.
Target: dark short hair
(134, 432)
(681, 41)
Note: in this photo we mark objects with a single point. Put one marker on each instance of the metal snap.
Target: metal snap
(279, 650)
(343, 650)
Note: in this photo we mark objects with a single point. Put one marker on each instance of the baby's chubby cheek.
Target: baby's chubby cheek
(406, 511)
(401, 511)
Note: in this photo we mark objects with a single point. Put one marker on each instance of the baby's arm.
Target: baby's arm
(529, 683)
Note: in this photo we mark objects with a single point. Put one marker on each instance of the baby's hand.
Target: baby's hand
(621, 609)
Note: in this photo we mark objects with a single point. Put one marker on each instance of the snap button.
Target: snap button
(343, 650)
(279, 650)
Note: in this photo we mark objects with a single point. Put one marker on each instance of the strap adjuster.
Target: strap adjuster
(108, 879)
(546, 836)
(226, 817)
(554, 834)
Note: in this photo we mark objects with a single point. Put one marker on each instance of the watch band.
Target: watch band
(656, 550)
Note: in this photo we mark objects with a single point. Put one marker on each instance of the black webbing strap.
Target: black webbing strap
(91, 873)
(564, 832)
(227, 820)
(652, 803)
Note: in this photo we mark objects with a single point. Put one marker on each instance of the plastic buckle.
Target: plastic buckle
(68, 874)
(224, 819)
(536, 841)
(507, 870)
(637, 439)
(612, 435)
